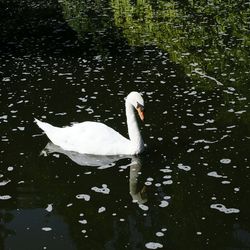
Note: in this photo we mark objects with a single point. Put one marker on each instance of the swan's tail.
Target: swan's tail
(44, 125)
(53, 133)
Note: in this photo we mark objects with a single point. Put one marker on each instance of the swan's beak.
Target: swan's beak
(140, 113)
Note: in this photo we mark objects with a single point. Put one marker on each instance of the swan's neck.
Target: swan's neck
(133, 129)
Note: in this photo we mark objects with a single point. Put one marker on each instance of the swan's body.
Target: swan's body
(97, 138)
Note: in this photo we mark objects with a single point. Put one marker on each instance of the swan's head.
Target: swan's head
(137, 101)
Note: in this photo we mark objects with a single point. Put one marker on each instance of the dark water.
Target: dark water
(72, 61)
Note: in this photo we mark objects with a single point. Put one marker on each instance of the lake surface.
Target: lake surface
(72, 61)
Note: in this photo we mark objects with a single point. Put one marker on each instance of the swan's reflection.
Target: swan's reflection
(99, 161)
(138, 194)
(102, 162)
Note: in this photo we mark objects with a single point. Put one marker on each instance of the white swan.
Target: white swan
(97, 138)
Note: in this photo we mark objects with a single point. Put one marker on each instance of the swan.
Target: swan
(97, 138)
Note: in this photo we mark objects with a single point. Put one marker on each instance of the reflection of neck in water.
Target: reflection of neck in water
(138, 195)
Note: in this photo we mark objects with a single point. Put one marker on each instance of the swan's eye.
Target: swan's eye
(139, 106)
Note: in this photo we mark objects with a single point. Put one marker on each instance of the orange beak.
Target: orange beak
(140, 113)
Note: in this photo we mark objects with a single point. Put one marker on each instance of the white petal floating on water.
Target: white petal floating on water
(225, 182)
(49, 208)
(223, 209)
(61, 114)
(198, 124)
(85, 197)
(164, 203)
(101, 210)
(5, 197)
(166, 170)
(89, 110)
(167, 177)
(240, 112)
(3, 117)
(231, 89)
(153, 245)
(210, 121)
(3, 183)
(83, 222)
(216, 175)
(159, 234)
(225, 161)
(143, 207)
(183, 167)
(204, 141)
(210, 129)
(150, 179)
(193, 93)
(104, 189)
(83, 99)
(10, 168)
(168, 182)
(65, 74)
(6, 79)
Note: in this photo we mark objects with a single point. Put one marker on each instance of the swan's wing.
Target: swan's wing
(91, 138)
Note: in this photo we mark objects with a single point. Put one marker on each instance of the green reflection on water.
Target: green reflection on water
(208, 39)
(205, 38)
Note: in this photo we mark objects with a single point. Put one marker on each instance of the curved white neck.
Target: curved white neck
(133, 130)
